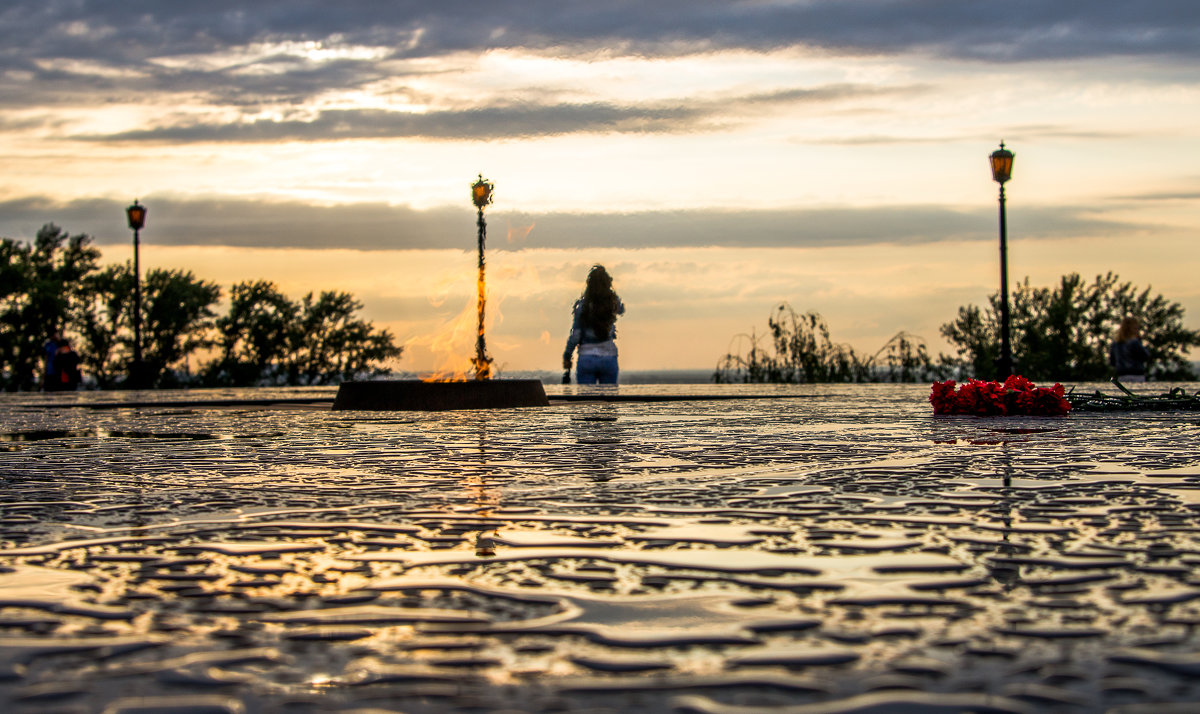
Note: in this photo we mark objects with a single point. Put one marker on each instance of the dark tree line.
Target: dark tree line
(55, 284)
(1062, 333)
(1059, 333)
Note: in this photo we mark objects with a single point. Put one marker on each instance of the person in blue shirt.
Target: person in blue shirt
(1127, 354)
(50, 378)
(594, 331)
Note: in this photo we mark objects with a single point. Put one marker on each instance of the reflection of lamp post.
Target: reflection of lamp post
(481, 196)
(1002, 161)
(137, 219)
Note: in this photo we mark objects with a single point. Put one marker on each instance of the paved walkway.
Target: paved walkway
(828, 553)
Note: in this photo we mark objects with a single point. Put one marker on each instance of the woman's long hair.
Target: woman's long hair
(599, 302)
(1129, 329)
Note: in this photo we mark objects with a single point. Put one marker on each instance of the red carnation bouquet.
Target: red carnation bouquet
(1016, 396)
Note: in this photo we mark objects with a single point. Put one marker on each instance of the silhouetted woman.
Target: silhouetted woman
(594, 331)
(1127, 354)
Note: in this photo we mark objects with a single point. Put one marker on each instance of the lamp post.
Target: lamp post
(481, 196)
(137, 218)
(1002, 161)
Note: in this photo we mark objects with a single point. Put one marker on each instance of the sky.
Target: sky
(718, 157)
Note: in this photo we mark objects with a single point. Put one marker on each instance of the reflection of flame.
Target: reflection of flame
(486, 497)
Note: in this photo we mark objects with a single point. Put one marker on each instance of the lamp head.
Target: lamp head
(481, 192)
(1002, 161)
(137, 215)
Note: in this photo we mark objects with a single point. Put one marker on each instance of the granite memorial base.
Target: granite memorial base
(412, 395)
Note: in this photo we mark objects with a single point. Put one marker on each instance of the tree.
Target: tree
(331, 345)
(1063, 333)
(53, 285)
(14, 284)
(178, 320)
(974, 332)
(42, 282)
(103, 319)
(255, 334)
(268, 339)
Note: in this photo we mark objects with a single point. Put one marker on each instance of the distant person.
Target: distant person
(1127, 353)
(50, 381)
(66, 365)
(594, 331)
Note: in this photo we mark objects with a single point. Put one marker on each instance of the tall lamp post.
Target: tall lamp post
(137, 218)
(1002, 161)
(481, 196)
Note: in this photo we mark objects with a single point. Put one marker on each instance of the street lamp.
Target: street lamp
(481, 196)
(1002, 161)
(137, 218)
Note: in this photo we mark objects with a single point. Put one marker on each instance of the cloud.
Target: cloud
(1017, 30)
(289, 50)
(379, 226)
(1164, 196)
(303, 70)
(1016, 133)
(482, 123)
(503, 120)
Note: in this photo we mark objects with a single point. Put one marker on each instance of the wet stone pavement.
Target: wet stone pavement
(845, 551)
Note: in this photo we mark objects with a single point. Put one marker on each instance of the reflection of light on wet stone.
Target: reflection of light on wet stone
(877, 544)
(374, 615)
(1053, 574)
(627, 663)
(728, 560)
(250, 548)
(1166, 596)
(545, 539)
(874, 703)
(328, 633)
(713, 533)
(23, 650)
(1063, 563)
(51, 548)
(660, 621)
(1186, 664)
(53, 591)
(179, 704)
(793, 657)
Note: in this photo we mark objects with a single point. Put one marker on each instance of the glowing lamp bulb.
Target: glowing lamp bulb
(481, 192)
(137, 215)
(1002, 161)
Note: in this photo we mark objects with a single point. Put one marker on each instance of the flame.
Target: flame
(449, 344)
(482, 363)
(453, 344)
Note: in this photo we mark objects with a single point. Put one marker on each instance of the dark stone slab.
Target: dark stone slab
(440, 396)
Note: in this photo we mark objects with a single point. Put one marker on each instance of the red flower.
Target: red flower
(1017, 382)
(942, 397)
(1016, 396)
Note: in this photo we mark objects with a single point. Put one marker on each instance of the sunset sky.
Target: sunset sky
(718, 157)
